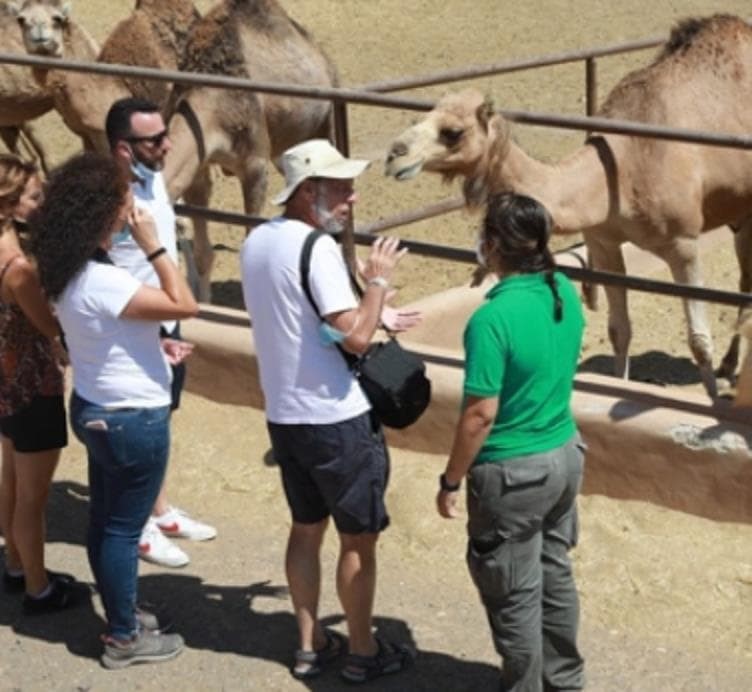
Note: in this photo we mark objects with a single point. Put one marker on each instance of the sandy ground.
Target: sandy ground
(666, 596)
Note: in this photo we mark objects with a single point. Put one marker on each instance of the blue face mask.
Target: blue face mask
(122, 235)
(142, 171)
(328, 335)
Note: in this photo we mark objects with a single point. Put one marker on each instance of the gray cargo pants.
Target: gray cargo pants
(522, 523)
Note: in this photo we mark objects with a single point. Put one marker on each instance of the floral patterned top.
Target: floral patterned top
(27, 365)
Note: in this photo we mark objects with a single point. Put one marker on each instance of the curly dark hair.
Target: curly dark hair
(81, 205)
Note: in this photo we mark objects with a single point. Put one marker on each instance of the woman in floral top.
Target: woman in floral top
(32, 413)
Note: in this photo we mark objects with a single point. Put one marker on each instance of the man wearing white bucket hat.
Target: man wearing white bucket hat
(331, 454)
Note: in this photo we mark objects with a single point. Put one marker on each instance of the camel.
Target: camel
(21, 98)
(48, 30)
(241, 130)
(659, 195)
(153, 35)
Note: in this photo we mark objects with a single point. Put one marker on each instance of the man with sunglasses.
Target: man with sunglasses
(138, 139)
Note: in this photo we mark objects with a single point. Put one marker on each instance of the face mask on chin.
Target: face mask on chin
(122, 235)
(142, 171)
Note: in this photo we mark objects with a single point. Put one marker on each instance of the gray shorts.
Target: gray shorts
(338, 469)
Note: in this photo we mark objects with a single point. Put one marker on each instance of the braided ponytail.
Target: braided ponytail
(518, 228)
(558, 307)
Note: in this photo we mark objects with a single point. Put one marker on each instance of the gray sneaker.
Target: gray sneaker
(146, 647)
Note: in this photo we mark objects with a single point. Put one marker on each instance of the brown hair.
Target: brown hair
(14, 174)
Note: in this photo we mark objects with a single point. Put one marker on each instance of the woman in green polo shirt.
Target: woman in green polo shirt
(517, 443)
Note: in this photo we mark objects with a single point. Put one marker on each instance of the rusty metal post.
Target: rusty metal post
(591, 87)
(342, 142)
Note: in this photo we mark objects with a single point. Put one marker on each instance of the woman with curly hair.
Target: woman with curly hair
(32, 412)
(517, 444)
(120, 403)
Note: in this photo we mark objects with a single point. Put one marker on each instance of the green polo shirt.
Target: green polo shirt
(515, 350)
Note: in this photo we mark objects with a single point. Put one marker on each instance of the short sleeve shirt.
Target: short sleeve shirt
(304, 380)
(116, 361)
(516, 351)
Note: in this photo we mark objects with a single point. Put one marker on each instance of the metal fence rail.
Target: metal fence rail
(373, 94)
(365, 235)
(360, 96)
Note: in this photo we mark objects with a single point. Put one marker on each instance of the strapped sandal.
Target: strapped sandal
(310, 664)
(389, 658)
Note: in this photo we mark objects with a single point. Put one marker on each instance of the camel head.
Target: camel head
(461, 136)
(43, 25)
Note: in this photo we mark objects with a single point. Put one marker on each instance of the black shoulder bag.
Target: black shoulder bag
(393, 379)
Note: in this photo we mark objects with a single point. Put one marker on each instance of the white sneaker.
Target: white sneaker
(155, 547)
(177, 524)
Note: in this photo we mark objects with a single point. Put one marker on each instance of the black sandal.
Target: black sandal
(310, 664)
(389, 658)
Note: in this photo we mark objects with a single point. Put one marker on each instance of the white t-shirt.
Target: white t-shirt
(117, 362)
(304, 381)
(152, 196)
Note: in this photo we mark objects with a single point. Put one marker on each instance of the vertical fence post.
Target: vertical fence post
(591, 87)
(342, 141)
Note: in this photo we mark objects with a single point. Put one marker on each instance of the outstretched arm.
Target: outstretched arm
(359, 324)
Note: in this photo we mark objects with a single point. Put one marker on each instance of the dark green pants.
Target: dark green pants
(522, 523)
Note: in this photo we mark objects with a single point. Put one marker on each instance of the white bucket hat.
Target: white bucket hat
(315, 158)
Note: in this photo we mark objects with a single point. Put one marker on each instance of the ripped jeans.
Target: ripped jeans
(522, 524)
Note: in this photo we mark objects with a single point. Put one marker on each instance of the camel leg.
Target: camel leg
(609, 258)
(10, 136)
(683, 259)
(198, 194)
(743, 247)
(34, 146)
(254, 184)
(744, 383)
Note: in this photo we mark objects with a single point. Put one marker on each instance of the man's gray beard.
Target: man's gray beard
(327, 221)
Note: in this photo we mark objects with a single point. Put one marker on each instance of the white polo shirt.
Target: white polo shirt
(304, 381)
(152, 196)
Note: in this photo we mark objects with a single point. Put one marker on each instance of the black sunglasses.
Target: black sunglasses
(155, 140)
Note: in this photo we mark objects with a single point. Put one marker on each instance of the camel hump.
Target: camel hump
(693, 31)
(214, 45)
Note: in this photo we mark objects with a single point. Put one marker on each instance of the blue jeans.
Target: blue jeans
(127, 451)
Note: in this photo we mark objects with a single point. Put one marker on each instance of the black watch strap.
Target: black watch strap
(448, 487)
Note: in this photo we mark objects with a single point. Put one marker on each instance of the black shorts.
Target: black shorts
(39, 427)
(339, 469)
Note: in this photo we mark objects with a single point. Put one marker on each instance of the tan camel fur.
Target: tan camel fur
(21, 98)
(241, 131)
(153, 35)
(659, 195)
(48, 30)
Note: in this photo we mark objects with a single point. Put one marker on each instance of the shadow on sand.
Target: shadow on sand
(240, 620)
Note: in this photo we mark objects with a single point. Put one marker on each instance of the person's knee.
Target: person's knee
(308, 533)
(362, 543)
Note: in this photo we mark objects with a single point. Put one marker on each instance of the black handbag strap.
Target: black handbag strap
(305, 266)
(305, 270)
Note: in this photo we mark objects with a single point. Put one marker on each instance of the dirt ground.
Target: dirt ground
(666, 596)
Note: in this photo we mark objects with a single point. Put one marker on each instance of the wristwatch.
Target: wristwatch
(448, 487)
